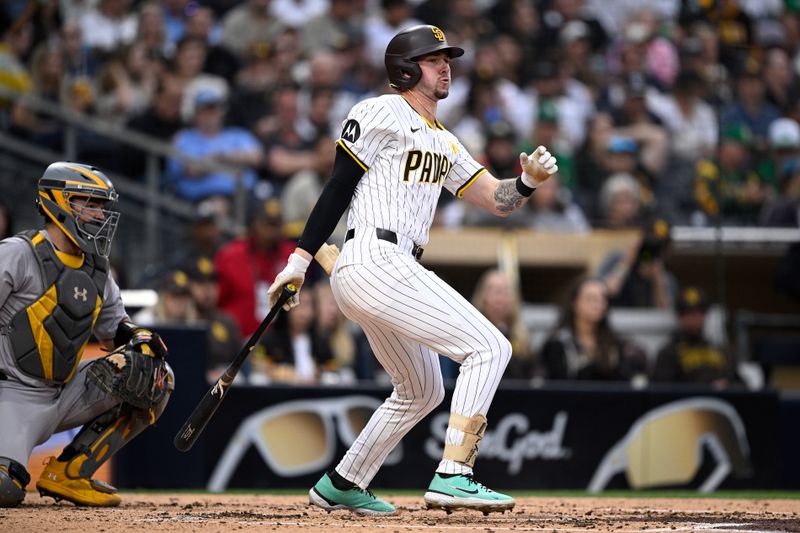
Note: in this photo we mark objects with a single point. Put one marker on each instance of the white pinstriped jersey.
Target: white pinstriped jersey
(406, 161)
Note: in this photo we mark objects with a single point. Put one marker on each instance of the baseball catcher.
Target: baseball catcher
(55, 292)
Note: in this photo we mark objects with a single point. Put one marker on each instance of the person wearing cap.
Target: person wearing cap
(750, 106)
(209, 141)
(247, 266)
(174, 304)
(639, 277)
(224, 339)
(689, 357)
(727, 186)
(783, 141)
(249, 23)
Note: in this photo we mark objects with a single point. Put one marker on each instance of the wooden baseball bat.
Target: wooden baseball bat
(197, 421)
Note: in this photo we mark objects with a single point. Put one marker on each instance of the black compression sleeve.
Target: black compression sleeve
(332, 202)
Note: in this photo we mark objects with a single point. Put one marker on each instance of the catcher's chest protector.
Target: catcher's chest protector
(49, 336)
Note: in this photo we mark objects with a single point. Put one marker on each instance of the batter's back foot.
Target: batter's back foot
(357, 500)
(450, 492)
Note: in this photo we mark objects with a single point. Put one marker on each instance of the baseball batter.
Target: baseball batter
(393, 159)
(55, 292)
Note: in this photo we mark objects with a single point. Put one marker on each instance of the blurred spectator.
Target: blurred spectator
(219, 60)
(246, 267)
(290, 351)
(175, 13)
(288, 139)
(547, 133)
(562, 12)
(110, 25)
(639, 277)
(728, 187)
(783, 149)
(295, 13)
(782, 87)
(690, 121)
(621, 205)
(6, 220)
(80, 61)
(393, 17)
(204, 237)
(333, 333)
(551, 209)
(499, 301)
(47, 74)
(174, 305)
(189, 59)
(784, 210)
(209, 141)
(580, 61)
(151, 32)
(126, 84)
(224, 340)
(689, 357)
(161, 120)
(571, 98)
(583, 346)
(303, 189)
(342, 23)
(248, 24)
(250, 103)
(750, 107)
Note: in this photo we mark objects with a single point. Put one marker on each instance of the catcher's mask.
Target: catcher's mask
(409, 45)
(82, 202)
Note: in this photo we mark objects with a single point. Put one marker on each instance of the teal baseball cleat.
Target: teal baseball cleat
(463, 492)
(357, 500)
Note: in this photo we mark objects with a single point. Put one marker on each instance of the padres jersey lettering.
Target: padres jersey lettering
(402, 155)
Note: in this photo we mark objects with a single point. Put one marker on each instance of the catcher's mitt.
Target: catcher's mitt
(132, 374)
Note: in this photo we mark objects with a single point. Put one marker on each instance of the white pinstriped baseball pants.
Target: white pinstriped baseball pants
(410, 316)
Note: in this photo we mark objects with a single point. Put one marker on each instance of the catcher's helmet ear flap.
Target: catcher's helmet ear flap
(81, 201)
(407, 46)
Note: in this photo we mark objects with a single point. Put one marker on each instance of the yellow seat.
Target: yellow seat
(55, 482)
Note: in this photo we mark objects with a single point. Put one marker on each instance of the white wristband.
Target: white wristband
(528, 181)
(298, 262)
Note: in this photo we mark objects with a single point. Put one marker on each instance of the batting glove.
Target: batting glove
(537, 167)
(294, 273)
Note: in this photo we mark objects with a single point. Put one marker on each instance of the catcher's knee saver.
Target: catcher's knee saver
(473, 427)
(13, 480)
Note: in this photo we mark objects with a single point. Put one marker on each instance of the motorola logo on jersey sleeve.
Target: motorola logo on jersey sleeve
(351, 131)
(426, 167)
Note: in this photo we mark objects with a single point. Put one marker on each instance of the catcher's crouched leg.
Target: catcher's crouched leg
(68, 477)
(13, 480)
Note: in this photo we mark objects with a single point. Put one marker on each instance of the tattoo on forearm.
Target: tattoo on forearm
(507, 197)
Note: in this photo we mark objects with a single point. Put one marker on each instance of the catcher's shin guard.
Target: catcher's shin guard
(13, 480)
(68, 477)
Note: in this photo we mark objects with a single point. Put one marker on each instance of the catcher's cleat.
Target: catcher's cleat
(463, 492)
(357, 500)
(55, 482)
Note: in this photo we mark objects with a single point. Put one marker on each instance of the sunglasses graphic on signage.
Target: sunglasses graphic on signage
(664, 448)
(298, 437)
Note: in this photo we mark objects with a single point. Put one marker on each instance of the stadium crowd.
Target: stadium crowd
(660, 112)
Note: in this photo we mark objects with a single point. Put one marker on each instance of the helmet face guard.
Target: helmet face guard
(409, 45)
(82, 202)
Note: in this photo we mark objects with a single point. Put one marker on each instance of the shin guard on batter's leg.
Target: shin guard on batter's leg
(461, 491)
(69, 477)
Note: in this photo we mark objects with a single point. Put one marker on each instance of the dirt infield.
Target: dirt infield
(194, 512)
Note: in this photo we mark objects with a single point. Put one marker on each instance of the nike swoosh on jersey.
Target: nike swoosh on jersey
(414, 130)
(464, 490)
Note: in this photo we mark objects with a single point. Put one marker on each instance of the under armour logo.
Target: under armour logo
(80, 294)
(351, 131)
